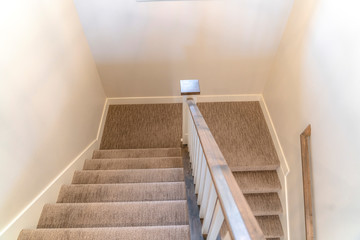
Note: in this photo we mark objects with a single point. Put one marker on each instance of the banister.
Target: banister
(240, 220)
(305, 159)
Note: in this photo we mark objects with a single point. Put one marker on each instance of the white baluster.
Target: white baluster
(198, 159)
(209, 210)
(206, 194)
(216, 222)
(199, 170)
(203, 177)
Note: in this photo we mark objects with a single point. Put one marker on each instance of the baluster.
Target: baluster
(199, 170)
(189, 132)
(197, 143)
(198, 159)
(193, 146)
(209, 210)
(203, 178)
(205, 196)
(216, 222)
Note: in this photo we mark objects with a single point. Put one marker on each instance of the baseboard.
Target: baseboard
(29, 216)
(179, 99)
(143, 100)
(282, 172)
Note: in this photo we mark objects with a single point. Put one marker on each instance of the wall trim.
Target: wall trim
(30, 215)
(284, 170)
(143, 100)
(180, 99)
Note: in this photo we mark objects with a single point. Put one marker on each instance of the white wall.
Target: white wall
(316, 79)
(51, 98)
(145, 48)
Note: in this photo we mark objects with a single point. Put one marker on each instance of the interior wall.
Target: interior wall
(145, 48)
(51, 98)
(315, 80)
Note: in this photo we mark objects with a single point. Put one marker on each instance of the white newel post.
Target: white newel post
(185, 125)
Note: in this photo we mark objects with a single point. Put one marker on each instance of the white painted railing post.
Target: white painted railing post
(185, 125)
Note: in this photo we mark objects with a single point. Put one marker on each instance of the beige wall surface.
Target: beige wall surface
(145, 48)
(51, 98)
(316, 79)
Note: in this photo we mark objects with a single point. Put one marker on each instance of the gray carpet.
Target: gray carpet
(143, 126)
(141, 196)
(120, 233)
(240, 130)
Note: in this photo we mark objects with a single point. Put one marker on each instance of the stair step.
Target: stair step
(179, 232)
(258, 182)
(122, 192)
(138, 153)
(128, 176)
(264, 203)
(133, 163)
(125, 214)
(250, 165)
(271, 226)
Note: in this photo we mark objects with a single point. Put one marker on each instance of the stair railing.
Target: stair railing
(219, 195)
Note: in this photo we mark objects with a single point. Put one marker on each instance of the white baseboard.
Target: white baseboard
(30, 215)
(282, 172)
(143, 100)
(179, 99)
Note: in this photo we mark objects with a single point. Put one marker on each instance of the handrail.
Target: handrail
(240, 220)
(305, 159)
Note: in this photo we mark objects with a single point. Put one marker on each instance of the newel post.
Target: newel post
(189, 89)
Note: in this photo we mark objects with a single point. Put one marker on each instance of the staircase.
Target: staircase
(120, 194)
(241, 132)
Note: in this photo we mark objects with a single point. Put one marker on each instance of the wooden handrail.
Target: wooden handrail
(240, 220)
(305, 159)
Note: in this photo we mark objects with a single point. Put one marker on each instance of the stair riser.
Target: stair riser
(138, 153)
(132, 233)
(113, 164)
(128, 176)
(92, 215)
(122, 192)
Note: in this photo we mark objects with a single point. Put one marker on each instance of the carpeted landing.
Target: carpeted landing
(143, 126)
(121, 194)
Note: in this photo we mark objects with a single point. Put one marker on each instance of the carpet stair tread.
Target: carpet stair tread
(178, 232)
(128, 176)
(271, 226)
(264, 203)
(138, 153)
(77, 193)
(258, 181)
(133, 163)
(123, 214)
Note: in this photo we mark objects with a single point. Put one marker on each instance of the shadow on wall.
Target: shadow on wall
(284, 94)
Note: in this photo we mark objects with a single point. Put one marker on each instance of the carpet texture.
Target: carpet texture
(123, 233)
(240, 130)
(141, 196)
(143, 126)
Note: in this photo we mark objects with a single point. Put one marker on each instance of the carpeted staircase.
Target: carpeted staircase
(140, 193)
(241, 132)
(120, 194)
